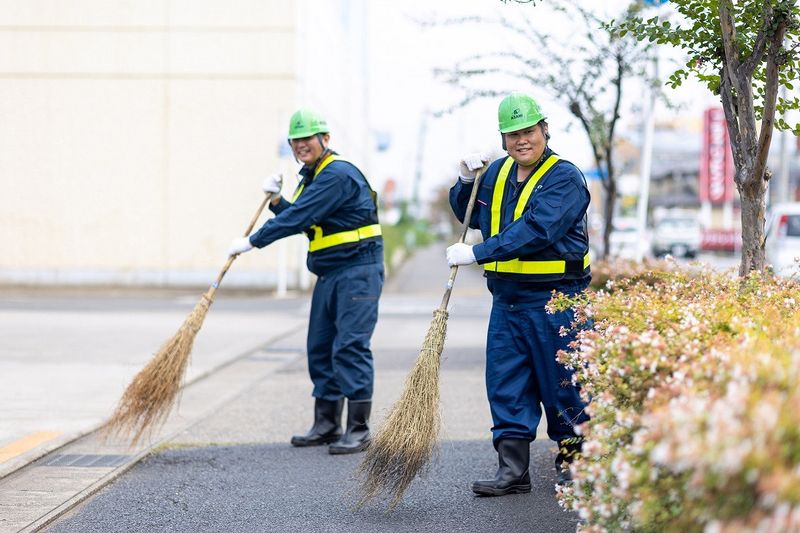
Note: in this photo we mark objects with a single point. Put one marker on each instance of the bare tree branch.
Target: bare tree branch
(760, 45)
(728, 106)
(585, 72)
(770, 100)
(728, 29)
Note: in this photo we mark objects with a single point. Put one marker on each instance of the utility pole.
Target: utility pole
(423, 130)
(647, 151)
(646, 162)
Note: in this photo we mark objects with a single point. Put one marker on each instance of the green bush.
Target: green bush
(400, 239)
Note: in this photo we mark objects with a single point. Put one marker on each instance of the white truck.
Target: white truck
(678, 236)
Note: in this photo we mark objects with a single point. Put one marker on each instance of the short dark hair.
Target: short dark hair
(542, 124)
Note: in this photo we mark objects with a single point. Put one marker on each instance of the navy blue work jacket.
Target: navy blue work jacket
(552, 226)
(338, 196)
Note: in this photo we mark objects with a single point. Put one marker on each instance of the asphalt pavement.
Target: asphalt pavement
(222, 461)
(272, 487)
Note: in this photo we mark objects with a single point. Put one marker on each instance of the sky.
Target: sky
(402, 57)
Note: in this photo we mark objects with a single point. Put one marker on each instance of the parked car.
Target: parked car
(782, 247)
(677, 236)
(624, 241)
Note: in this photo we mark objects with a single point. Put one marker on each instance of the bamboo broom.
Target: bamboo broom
(405, 443)
(149, 398)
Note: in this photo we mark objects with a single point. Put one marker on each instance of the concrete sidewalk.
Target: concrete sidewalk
(66, 357)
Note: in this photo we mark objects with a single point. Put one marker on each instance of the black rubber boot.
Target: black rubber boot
(327, 426)
(568, 450)
(563, 475)
(356, 438)
(512, 475)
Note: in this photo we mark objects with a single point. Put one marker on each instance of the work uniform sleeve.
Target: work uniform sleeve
(319, 199)
(459, 198)
(555, 208)
(280, 206)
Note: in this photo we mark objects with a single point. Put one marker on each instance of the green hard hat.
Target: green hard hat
(305, 123)
(518, 111)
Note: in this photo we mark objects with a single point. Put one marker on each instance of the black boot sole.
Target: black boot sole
(512, 489)
(303, 443)
(338, 450)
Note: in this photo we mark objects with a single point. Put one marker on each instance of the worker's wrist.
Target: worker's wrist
(479, 252)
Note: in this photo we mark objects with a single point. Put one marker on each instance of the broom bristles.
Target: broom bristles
(150, 396)
(404, 445)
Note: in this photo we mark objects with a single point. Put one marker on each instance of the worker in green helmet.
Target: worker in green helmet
(531, 210)
(336, 207)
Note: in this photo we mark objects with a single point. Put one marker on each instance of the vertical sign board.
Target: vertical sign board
(716, 161)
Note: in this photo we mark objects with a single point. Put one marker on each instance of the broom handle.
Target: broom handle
(467, 217)
(209, 295)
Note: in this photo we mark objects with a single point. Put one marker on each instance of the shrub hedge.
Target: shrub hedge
(692, 378)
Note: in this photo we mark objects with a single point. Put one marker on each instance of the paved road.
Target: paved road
(235, 471)
(272, 487)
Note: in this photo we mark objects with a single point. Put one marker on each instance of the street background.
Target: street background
(135, 136)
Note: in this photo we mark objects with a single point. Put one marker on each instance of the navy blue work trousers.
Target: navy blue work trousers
(344, 310)
(522, 373)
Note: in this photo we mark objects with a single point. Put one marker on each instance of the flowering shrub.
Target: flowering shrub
(693, 379)
(617, 268)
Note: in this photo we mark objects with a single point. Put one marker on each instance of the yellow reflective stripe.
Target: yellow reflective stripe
(497, 202)
(497, 195)
(516, 266)
(528, 190)
(320, 242)
(373, 230)
(325, 162)
(297, 192)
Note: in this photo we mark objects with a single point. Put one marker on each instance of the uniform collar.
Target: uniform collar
(307, 172)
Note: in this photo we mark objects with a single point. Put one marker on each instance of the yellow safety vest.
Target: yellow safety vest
(319, 241)
(518, 266)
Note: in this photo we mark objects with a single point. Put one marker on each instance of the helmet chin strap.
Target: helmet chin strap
(325, 151)
(321, 140)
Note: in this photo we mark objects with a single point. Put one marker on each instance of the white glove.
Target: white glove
(240, 245)
(272, 184)
(460, 254)
(469, 166)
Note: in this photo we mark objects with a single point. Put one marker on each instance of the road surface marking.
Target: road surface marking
(26, 443)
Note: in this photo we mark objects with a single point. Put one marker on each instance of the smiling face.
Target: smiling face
(527, 145)
(309, 149)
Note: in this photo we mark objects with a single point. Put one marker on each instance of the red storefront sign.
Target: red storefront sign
(720, 240)
(716, 159)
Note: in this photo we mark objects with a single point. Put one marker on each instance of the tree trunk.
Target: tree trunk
(750, 147)
(608, 215)
(753, 197)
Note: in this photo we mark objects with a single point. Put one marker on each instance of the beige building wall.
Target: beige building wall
(135, 134)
